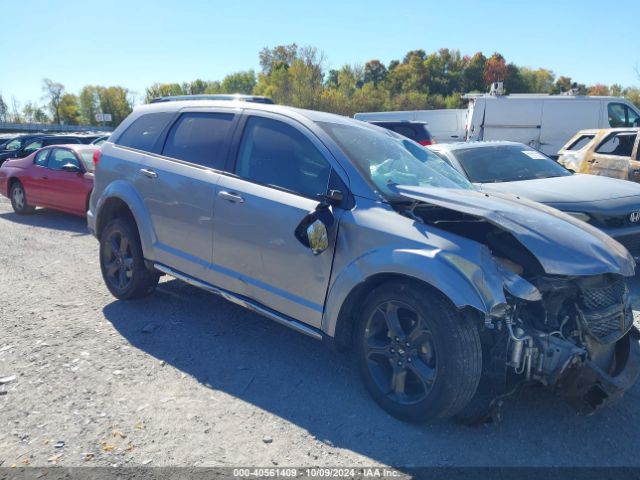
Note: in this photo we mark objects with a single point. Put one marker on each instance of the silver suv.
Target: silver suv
(347, 233)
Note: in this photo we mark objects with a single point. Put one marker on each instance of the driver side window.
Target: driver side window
(60, 157)
(276, 154)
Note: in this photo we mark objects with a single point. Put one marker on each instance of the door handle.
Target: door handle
(44, 177)
(148, 173)
(231, 196)
(593, 160)
(454, 136)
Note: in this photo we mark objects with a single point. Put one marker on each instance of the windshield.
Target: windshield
(386, 161)
(506, 163)
(87, 159)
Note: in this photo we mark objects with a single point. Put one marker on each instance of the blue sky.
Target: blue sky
(135, 43)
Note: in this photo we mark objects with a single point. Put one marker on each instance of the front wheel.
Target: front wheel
(19, 199)
(122, 262)
(419, 358)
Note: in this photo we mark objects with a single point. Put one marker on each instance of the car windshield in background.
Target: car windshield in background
(87, 159)
(387, 161)
(506, 163)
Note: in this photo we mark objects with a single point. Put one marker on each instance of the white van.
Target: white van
(445, 126)
(545, 122)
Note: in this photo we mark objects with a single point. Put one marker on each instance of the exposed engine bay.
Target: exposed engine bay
(572, 333)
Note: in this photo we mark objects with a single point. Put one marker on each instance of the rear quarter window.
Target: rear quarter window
(580, 143)
(145, 131)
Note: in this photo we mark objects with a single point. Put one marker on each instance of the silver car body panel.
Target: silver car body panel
(255, 256)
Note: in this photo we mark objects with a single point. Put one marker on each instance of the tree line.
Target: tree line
(297, 76)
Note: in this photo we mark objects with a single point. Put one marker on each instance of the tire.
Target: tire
(419, 358)
(18, 198)
(122, 262)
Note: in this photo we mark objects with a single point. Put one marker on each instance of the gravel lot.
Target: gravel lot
(185, 378)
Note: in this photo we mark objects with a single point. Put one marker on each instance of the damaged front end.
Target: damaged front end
(565, 317)
(577, 338)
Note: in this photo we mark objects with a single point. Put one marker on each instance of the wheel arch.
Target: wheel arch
(10, 182)
(472, 292)
(120, 200)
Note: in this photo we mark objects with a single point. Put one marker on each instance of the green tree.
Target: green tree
(163, 90)
(239, 82)
(616, 90)
(115, 101)
(53, 92)
(598, 89)
(374, 72)
(89, 103)
(4, 110)
(69, 109)
(282, 55)
(516, 82)
(473, 73)
(633, 95)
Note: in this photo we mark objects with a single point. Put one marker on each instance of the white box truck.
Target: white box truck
(545, 122)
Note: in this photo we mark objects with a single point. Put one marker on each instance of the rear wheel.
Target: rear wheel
(19, 199)
(122, 262)
(419, 358)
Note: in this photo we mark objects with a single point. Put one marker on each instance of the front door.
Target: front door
(63, 189)
(279, 173)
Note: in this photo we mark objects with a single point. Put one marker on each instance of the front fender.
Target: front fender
(124, 191)
(472, 280)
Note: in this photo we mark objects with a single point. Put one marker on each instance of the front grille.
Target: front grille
(603, 327)
(604, 297)
(605, 311)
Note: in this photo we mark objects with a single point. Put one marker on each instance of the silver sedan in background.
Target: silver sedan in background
(609, 204)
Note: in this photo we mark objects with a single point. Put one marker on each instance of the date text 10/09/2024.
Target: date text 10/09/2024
(316, 472)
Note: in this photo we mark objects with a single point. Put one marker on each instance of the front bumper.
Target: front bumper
(587, 387)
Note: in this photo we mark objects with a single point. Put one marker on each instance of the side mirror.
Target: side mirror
(70, 167)
(312, 231)
(333, 197)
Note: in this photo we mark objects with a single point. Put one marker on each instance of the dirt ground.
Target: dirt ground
(186, 378)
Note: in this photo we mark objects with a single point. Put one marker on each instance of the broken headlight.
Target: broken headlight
(514, 283)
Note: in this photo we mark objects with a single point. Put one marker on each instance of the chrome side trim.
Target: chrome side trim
(243, 302)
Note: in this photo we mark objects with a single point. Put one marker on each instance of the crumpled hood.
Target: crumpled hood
(563, 245)
(570, 189)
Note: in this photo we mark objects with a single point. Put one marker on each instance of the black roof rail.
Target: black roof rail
(233, 96)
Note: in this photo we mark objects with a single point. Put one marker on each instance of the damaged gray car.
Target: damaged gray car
(452, 298)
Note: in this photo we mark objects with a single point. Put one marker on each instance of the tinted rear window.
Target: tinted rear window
(200, 138)
(144, 132)
(416, 132)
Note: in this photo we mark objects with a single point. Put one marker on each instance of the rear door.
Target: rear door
(280, 170)
(179, 187)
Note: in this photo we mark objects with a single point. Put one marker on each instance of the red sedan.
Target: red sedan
(58, 177)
